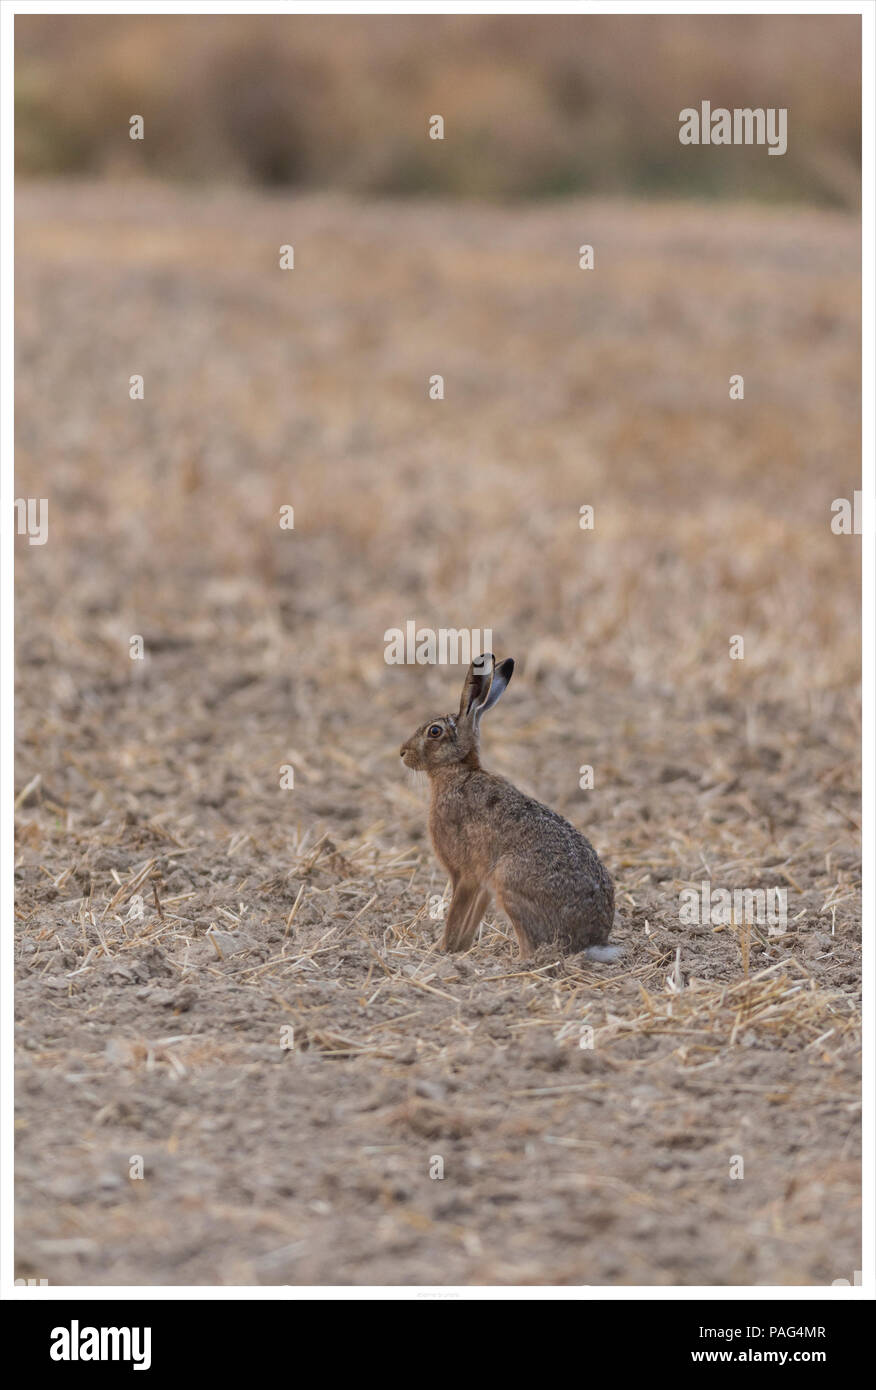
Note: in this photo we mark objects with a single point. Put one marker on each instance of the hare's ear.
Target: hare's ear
(501, 676)
(476, 686)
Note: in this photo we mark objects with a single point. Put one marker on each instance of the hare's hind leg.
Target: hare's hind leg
(467, 907)
(523, 915)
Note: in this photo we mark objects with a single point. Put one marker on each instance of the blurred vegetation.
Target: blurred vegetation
(534, 106)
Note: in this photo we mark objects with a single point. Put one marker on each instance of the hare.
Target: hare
(494, 840)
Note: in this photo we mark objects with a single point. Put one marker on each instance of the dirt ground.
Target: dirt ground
(240, 983)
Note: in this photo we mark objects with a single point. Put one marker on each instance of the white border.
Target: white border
(866, 1290)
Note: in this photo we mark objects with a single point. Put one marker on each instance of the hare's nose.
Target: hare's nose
(403, 750)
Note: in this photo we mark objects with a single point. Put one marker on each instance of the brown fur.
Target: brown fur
(493, 839)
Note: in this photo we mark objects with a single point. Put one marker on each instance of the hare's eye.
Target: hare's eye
(435, 731)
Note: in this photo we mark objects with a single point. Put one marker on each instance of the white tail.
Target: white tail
(606, 954)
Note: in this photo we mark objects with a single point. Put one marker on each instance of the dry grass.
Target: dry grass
(534, 105)
(177, 910)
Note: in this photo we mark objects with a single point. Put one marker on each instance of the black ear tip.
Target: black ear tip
(507, 667)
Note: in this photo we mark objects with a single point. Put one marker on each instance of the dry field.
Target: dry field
(177, 910)
(536, 105)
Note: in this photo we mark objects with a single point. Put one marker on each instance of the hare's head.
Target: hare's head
(453, 738)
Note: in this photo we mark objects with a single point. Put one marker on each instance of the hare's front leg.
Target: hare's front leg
(467, 907)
